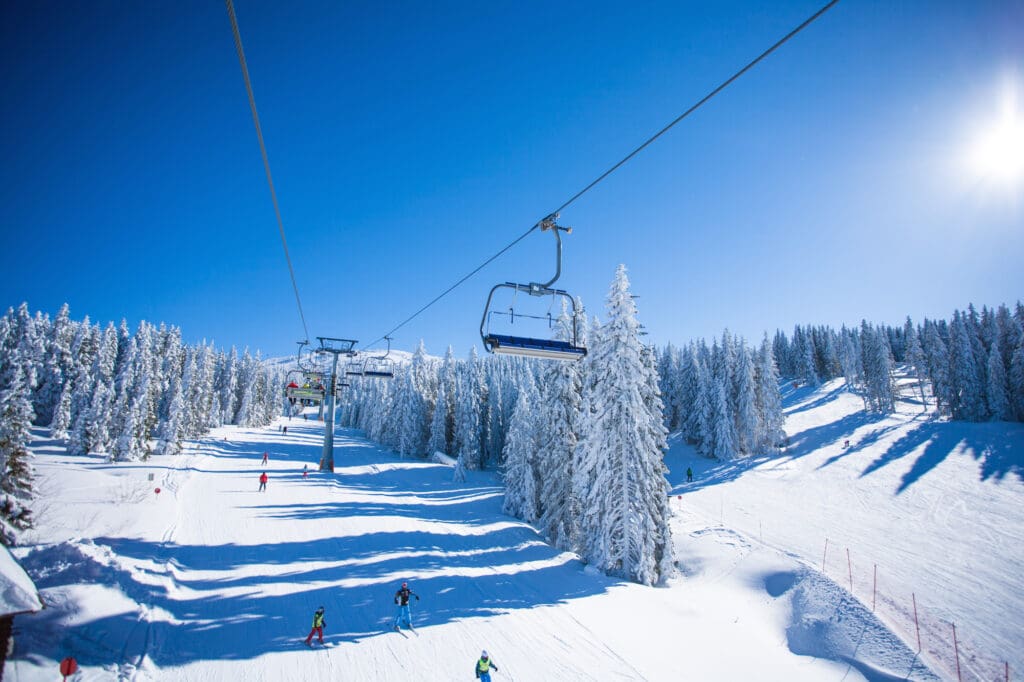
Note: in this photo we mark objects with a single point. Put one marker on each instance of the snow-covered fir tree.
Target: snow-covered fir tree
(15, 469)
(467, 416)
(770, 417)
(624, 526)
(522, 498)
(558, 421)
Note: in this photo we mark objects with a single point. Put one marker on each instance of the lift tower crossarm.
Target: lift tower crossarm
(334, 347)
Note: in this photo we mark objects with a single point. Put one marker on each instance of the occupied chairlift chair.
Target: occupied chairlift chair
(552, 349)
(305, 384)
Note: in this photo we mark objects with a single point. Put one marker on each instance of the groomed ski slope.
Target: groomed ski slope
(212, 580)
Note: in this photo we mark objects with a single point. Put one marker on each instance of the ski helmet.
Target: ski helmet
(483, 654)
(405, 584)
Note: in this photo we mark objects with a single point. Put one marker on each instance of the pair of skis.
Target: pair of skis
(410, 628)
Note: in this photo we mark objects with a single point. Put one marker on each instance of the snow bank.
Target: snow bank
(17, 592)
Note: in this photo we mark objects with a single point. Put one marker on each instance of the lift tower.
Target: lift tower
(333, 347)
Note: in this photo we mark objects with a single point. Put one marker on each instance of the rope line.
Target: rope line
(629, 156)
(266, 161)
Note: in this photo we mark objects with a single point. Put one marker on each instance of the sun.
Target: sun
(997, 151)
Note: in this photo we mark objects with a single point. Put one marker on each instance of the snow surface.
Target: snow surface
(17, 592)
(212, 580)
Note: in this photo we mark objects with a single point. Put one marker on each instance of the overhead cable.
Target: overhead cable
(629, 156)
(266, 161)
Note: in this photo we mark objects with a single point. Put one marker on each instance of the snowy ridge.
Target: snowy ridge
(212, 580)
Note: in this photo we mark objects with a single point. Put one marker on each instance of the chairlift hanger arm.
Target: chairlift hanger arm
(549, 223)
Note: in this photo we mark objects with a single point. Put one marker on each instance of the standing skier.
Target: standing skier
(689, 474)
(402, 599)
(318, 626)
(483, 667)
(263, 481)
(264, 457)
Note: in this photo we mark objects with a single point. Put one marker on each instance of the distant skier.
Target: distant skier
(265, 458)
(689, 475)
(402, 599)
(263, 481)
(483, 667)
(318, 627)
(846, 444)
(286, 430)
(305, 471)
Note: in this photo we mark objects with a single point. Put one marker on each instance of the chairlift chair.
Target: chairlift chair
(305, 392)
(380, 367)
(354, 367)
(510, 344)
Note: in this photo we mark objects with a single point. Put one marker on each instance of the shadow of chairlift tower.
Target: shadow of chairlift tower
(530, 346)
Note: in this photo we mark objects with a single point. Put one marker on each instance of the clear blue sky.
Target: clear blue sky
(410, 141)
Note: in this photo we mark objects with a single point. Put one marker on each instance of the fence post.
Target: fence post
(916, 626)
(823, 554)
(849, 568)
(1007, 663)
(874, 588)
(956, 650)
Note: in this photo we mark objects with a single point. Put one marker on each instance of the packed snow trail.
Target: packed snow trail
(213, 580)
(937, 505)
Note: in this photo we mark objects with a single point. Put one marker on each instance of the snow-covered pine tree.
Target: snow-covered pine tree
(915, 359)
(770, 417)
(966, 393)
(15, 470)
(688, 394)
(497, 377)
(879, 393)
(170, 430)
(829, 364)
(621, 529)
(467, 415)
(410, 409)
(997, 391)
(229, 388)
(745, 397)
(27, 336)
(703, 409)
(557, 428)
(669, 370)
(246, 388)
(803, 354)
(1009, 334)
(439, 422)
(62, 413)
(56, 366)
(849, 359)
(937, 356)
(783, 354)
(1016, 382)
(522, 498)
(91, 431)
(722, 444)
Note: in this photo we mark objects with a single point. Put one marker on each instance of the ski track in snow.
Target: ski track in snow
(212, 580)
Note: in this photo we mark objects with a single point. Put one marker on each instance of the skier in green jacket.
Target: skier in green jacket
(483, 668)
(318, 626)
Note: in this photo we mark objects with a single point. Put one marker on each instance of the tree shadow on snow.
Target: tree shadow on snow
(238, 602)
(998, 447)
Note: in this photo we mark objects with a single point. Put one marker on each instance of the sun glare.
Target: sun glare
(997, 152)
